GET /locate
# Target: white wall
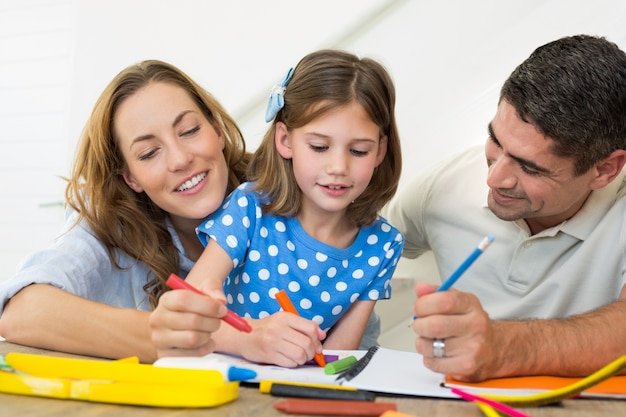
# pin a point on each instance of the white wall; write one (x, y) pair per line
(35, 63)
(448, 60)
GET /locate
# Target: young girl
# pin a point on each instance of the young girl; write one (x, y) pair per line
(307, 222)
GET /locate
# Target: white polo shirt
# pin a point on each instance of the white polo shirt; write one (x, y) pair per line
(576, 266)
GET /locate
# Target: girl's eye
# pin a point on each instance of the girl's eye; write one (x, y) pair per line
(317, 148)
(357, 152)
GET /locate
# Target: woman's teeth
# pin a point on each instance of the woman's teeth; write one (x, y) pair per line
(192, 182)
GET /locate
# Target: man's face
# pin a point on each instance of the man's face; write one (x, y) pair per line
(526, 180)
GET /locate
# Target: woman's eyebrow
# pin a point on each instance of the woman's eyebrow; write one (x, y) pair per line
(178, 118)
(148, 136)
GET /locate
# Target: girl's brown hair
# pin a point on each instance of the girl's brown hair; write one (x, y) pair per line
(323, 81)
(122, 219)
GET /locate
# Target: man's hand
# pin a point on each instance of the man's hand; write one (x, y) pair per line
(459, 320)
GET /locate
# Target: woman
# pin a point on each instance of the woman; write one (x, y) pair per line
(158, 154)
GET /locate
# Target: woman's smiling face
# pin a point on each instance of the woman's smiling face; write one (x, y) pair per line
(172, 152)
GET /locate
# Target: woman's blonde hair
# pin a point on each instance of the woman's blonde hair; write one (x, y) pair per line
(323, 81)
(121, 218)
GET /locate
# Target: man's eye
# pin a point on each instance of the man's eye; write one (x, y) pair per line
(529, 171)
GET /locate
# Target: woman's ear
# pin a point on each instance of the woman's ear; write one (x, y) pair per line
(130, 181)
(282, 141)
(220, 137)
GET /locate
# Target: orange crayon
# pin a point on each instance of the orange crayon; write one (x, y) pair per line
(287, 305)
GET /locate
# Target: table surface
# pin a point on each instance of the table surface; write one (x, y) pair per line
(252, 403)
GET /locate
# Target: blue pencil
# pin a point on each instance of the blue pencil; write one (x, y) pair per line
(482, 246)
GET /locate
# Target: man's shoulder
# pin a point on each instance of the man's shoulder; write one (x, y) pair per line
(461, 170)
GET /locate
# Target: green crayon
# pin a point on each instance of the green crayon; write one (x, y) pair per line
(340, 365)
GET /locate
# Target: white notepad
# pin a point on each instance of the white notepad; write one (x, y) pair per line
(387, 371)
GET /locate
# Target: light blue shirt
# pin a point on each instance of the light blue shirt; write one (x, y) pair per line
(79, 263)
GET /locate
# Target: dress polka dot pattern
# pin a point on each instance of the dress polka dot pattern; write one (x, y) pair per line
(271, 253)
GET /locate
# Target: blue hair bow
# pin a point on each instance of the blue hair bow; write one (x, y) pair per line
(277, 100)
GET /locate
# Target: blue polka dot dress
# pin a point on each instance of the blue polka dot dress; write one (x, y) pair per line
(271, 253)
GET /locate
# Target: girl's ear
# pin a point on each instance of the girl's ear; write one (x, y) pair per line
(130, 181)
(382, 150)
(282, 140)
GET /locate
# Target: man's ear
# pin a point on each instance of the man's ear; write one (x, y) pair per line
(130, 181)
(282, 141)
(608, 169)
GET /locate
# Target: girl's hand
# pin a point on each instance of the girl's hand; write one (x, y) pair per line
(283, 339)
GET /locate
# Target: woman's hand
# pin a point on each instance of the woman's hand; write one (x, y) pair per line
(183, 323)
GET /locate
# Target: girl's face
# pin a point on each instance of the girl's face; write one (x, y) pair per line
(172, 152)
(333, 157)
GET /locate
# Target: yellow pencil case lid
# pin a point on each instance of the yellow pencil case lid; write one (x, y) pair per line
(178, 393)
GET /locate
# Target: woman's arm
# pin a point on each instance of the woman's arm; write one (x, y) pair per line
(47, 317)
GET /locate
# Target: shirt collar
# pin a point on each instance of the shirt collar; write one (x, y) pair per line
(595, 208)
(185, 262)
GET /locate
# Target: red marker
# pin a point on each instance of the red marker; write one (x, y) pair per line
(177, 283)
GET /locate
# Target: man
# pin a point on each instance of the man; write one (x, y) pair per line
(549, 296)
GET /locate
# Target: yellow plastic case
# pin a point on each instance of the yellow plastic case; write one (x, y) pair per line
(120, 382)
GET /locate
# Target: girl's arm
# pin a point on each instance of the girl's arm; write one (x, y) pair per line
(349, 329)
(44, 316)
(210, 270)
